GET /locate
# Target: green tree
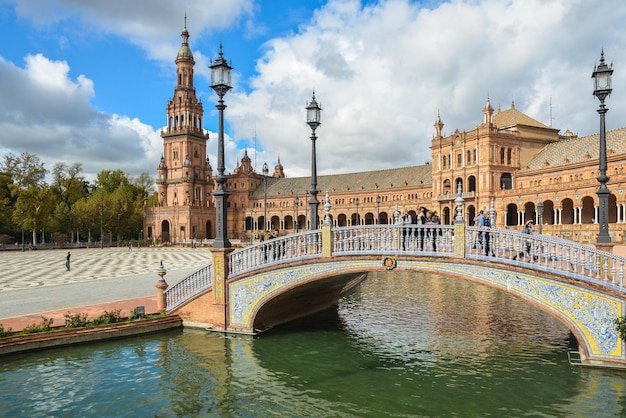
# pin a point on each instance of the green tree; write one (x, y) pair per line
(26, 170)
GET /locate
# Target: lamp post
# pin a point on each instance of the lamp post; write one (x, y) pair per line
(602, 88)
(356, 202)
(313, 119)
(101, 237)
(378, 209)
(540, 216)
(22, 213)
(265, 173)
(296, 203)
(220, 83)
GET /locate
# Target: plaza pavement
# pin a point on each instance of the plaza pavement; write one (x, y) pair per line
(36, 283)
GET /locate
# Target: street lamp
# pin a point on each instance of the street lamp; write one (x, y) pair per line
(356, 202)
(540, 216)
(313, 119)
(22, 213)
(101, 237)
(220, 83)
(378, 209)
(266, 171)
(296, 203)
(602, 88)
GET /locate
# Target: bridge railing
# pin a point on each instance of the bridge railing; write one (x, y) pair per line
(276, 251)
(545, 253)
(394, 239)
(188, 287)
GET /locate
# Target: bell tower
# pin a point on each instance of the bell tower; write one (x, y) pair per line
(184, 176)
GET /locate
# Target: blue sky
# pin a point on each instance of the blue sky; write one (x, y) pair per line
(88, 81)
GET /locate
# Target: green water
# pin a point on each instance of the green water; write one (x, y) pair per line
(401, 345)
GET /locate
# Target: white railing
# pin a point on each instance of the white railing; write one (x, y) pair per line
(549, 254)
(394, 239)
(276, 251)
(188, 287)
(537, 252)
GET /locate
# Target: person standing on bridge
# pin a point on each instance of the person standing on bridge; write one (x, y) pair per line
(487, 233)
(529, 230)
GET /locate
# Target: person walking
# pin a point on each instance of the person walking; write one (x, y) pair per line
(67, 261)
(433, 219)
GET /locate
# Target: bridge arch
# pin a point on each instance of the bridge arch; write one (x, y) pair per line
(266, 299)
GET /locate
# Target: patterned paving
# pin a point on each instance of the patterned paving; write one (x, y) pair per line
(31, 269)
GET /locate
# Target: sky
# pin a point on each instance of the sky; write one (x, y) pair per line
(87, 81)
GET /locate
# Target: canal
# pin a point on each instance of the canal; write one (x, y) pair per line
(402, 344)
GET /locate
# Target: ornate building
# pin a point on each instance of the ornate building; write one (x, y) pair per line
(510, 163)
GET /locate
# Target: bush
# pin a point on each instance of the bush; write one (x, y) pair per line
(78, 320)
(4, 333)
(620, 326)
(108, 318)
(43, 326)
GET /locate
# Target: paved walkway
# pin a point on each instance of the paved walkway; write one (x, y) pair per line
(36, 283)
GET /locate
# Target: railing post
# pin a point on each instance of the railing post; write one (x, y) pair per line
(161, 287)
(327, 241)
(219, 272)
(459, 239)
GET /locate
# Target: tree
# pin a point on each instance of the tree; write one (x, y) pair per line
(26, 170)
(111, 180)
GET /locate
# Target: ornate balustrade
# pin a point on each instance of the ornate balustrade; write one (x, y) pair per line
(275, 251)
(506, 247)
(549, 254)
(189, 286)
(394, 239)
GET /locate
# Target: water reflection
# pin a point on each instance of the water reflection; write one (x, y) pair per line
(400, 345)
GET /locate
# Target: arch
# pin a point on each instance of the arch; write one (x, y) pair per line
(445, 216)
(294, 284)
(471, 214)
(506, 181)
(456, 184)
(529, 212)
(275, 222)
(567, 212)
(612, 208)
(249, 223)
(511, 214)
(471, 184)
(384, 218)
(446, 186)
(209, 229)
(548, 212)
(369, 218)
(588, 213)
(288, 222)
(342, 220)
(165, 231)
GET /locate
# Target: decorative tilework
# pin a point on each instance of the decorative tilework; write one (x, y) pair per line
(592, 313)
(246, 295)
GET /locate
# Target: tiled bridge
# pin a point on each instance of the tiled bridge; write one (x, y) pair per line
(260, 286)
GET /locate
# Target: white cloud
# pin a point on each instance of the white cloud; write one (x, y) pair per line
(50, 115)
(382, 72)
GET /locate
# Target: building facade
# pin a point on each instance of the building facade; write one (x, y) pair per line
(509, 163)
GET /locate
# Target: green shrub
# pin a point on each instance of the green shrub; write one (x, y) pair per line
(4, 333)
(78, 320)
(620, 326)
(43, 326)
(108, 318)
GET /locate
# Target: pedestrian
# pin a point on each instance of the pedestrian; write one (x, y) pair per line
(421, 220)
(130, 246)
(67, 261)
(433, 219)
(479, 221)
(529, 230)
(486, 233)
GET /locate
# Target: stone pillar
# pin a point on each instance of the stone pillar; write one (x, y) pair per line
(219, 302)
(161, 286)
